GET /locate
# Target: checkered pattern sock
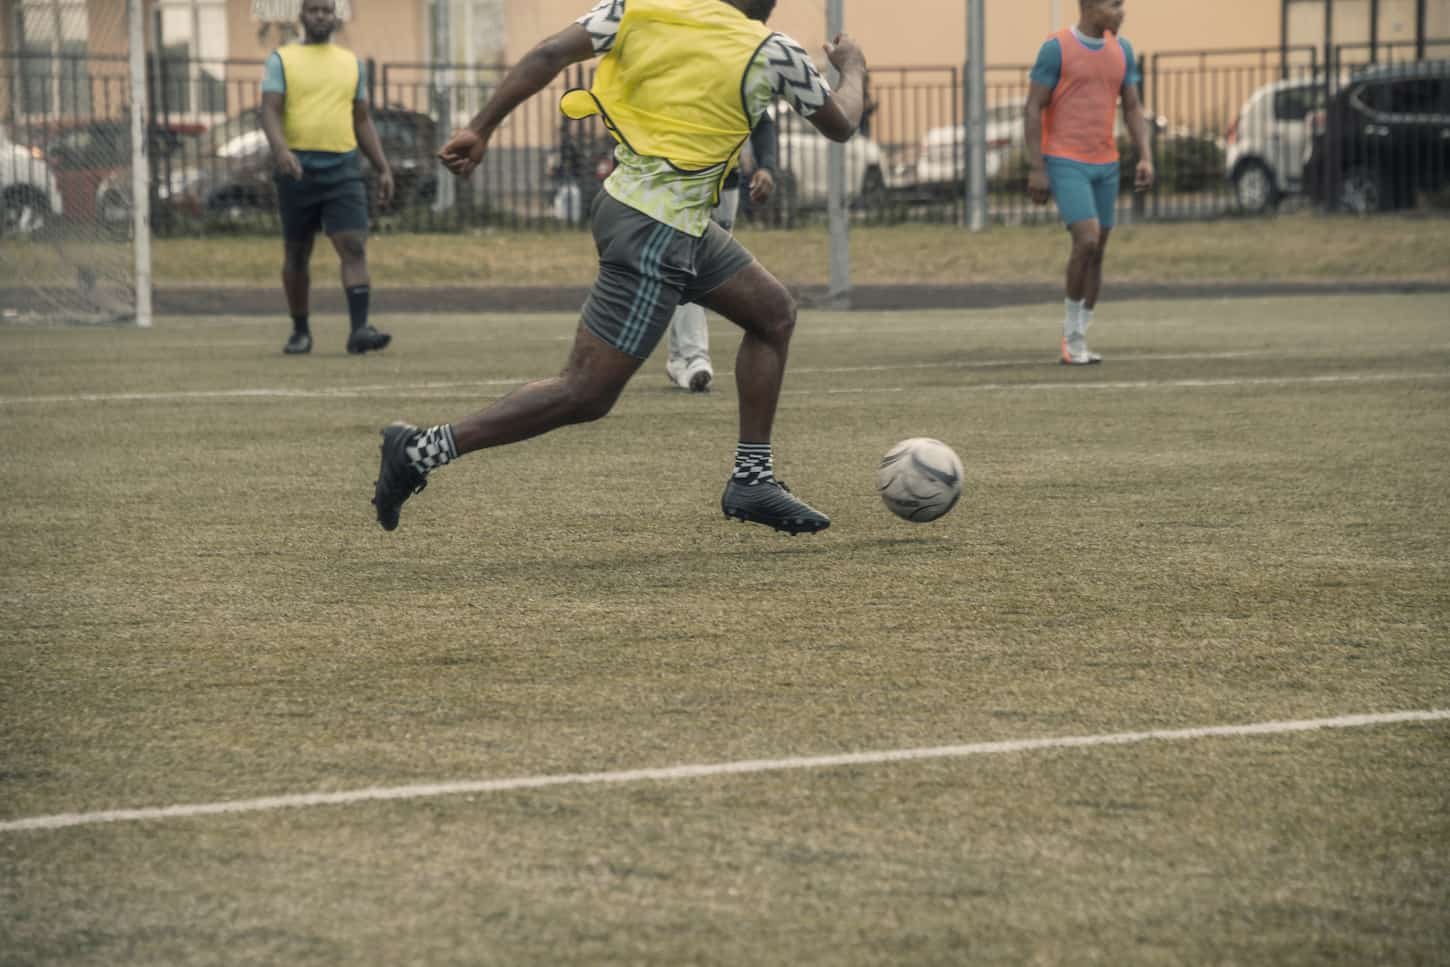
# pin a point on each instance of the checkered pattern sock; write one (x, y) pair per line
(753, 463)
(431, 448)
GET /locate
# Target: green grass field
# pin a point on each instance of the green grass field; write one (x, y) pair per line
(1240, 518)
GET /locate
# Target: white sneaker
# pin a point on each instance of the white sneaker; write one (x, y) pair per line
(694, 375)
(1075, 353)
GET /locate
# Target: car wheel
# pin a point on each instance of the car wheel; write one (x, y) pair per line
(1361, 192)
(873, 190)
(23, 211)
(1254, 188)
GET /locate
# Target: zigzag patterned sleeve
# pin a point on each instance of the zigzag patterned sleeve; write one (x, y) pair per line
(602, 22)
(793, 76)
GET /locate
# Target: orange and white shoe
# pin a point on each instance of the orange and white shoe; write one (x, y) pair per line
(1076, 353)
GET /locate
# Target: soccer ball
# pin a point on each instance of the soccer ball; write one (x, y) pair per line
(920, 479)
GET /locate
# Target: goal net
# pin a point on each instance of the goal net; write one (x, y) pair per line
(69, 163)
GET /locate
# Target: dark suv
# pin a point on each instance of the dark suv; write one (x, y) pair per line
(1383, 138)
(227, 175)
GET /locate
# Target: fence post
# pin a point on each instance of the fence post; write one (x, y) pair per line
(1140, 201)
(1153, 137)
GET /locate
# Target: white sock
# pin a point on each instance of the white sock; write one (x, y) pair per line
(1071, 325)
(1084, 319)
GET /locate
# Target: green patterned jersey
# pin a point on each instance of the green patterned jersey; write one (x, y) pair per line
(681, 199)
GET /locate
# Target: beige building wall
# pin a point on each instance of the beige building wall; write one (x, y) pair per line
(898, 33)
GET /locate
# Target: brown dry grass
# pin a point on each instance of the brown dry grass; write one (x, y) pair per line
(1240, 517)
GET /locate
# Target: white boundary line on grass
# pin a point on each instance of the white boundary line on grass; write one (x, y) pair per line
(416, 389)
(745, 767)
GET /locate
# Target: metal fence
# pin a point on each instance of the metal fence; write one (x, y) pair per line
(1232, 132)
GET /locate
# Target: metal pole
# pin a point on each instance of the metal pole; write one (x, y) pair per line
(977, 115)
(443, 90)
(840, 289)
(1374, 31)
(1419, 29)
(1284, 40)
(140, 169)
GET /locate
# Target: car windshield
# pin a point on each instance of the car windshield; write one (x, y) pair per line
(230, 139)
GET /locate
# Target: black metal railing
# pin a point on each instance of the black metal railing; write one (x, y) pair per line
(1231, 131)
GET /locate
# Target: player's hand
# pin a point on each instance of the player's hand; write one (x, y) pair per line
(288, 166)
(385, 189)
(844, 52)
(1038, 188)
(1144, 177)
(463, 152)
(762, 185)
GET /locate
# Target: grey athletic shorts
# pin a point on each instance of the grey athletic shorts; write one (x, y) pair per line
(646, 269)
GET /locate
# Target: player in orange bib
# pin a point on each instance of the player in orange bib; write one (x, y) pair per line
(1076, 83)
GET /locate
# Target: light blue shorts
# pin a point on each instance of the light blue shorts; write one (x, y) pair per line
(1084, 191)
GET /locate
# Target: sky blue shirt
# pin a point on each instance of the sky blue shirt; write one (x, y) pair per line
(1048, 68)
(274, 81)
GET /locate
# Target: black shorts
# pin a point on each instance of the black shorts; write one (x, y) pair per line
(334, 199)
(646, 269)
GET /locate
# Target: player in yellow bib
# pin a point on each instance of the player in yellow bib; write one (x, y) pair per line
(315, 116)
(681, 85)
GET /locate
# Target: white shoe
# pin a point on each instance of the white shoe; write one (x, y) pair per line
(1075, 353)
(694, 375)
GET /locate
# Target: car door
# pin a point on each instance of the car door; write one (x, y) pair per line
(1411, 114)
(1288, 135)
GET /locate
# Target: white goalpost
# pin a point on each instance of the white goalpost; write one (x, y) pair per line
(140, 163)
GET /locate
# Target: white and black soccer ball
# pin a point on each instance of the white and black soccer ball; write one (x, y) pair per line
(920, 479)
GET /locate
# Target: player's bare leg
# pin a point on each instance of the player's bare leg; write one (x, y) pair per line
(1084, 268)
(757, 302)
(352, 252)
(297, 285)
(587, 389)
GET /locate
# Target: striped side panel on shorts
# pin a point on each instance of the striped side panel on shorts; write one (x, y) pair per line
(650, 262)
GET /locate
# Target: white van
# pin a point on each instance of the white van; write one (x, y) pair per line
(1269, 141)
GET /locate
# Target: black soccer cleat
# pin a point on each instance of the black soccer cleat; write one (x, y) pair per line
(772, 504)
(366, 339)
(397, 480)
(299, 343)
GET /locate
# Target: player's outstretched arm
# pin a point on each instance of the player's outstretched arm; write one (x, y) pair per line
(529, 76)
(840, 116)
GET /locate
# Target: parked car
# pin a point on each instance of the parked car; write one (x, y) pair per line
(29, 194)
(941, 159)
(227, 175)
(940, 168)
(802, 177)
(1383, 138)
(82, 154)
(1267, 142)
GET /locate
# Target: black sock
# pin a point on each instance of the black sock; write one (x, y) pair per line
(357, 305)
(299, 324)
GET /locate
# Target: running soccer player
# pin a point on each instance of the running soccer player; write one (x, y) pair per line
(315, 117)
(1076, 82)
(681, 86)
